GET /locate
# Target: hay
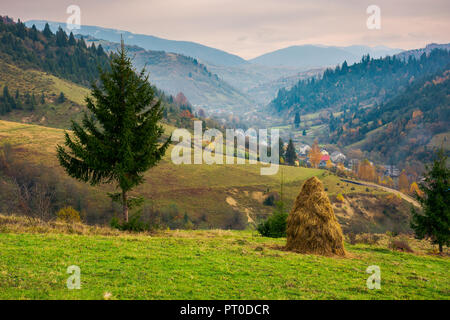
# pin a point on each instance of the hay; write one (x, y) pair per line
(312, 226)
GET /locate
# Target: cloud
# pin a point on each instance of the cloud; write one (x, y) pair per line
(252, 27)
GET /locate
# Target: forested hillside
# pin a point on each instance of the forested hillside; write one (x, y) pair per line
(45, 77)
(58, 54)
(361, 84)
(402, 128)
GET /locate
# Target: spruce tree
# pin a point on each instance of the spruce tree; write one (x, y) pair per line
(434, 223)
(47, 32)
(291, 155)
(119, 141)
(297, 120)
(72, 40)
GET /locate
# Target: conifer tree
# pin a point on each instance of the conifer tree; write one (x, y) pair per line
(119, 141)
(297, 120)
(72, 40)
(291, 155)
(47, 32)
(434, 223)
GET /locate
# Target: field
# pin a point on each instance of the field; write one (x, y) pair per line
(212, 264)
(213, 190)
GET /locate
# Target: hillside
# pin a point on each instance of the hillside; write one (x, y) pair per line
(45, 77)
(176, 73)
(219, 196)
(361, 84)
(403, 128)
(416, 53)
(148, 42)
(55, 53)
(214, 264)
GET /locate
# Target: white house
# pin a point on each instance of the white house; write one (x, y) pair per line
(338, 157)
(304, 149)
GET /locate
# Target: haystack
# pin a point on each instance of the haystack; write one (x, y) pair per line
(312, 226)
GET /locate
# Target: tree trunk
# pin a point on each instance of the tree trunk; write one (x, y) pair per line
(440, 248)
(125, 205)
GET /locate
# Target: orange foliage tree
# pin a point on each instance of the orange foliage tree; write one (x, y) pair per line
(403, 183)
(314, 154)
(366, 171)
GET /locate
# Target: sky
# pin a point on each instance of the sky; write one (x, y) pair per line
(250, 28)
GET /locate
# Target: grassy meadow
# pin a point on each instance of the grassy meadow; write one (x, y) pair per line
(213, 264)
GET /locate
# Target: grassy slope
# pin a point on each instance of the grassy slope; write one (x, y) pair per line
(196, 189)
(37, 82)
(34, 81)
(207, 265)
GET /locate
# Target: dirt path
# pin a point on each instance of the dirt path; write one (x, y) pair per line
(370, 184)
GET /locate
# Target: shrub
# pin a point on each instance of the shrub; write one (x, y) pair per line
(368, 238)
(269, 200)
(401, 245)
(68, 214)
(351, 238)
(364, 238)
(274, 226)
(340, 197)
(134, 224)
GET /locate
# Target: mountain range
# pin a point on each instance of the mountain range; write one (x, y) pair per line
(312, 56)
(233, 80)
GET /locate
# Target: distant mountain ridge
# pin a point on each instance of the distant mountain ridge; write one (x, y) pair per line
(416, 53)
(313, 56)
(191, 49)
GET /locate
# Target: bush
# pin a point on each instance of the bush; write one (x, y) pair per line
(364, 238)
(134, 224)
(340, 197)
(368, 238)
(351, 238)
(400, 245)
(68, 214)
(269, 200)
(275, 226)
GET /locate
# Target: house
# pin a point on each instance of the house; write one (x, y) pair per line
(323, 161)
(353, 164)
(391, 171)
(337, 157)
(303, 150)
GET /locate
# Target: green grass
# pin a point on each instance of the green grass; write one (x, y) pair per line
(207, 265)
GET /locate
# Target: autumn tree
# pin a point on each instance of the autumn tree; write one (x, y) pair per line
(403, 183)
(415, 190)
(366, 171)
(119, 140)
(315, 155)
(329, 164)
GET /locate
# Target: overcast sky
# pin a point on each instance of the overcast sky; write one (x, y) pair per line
(249, 28)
